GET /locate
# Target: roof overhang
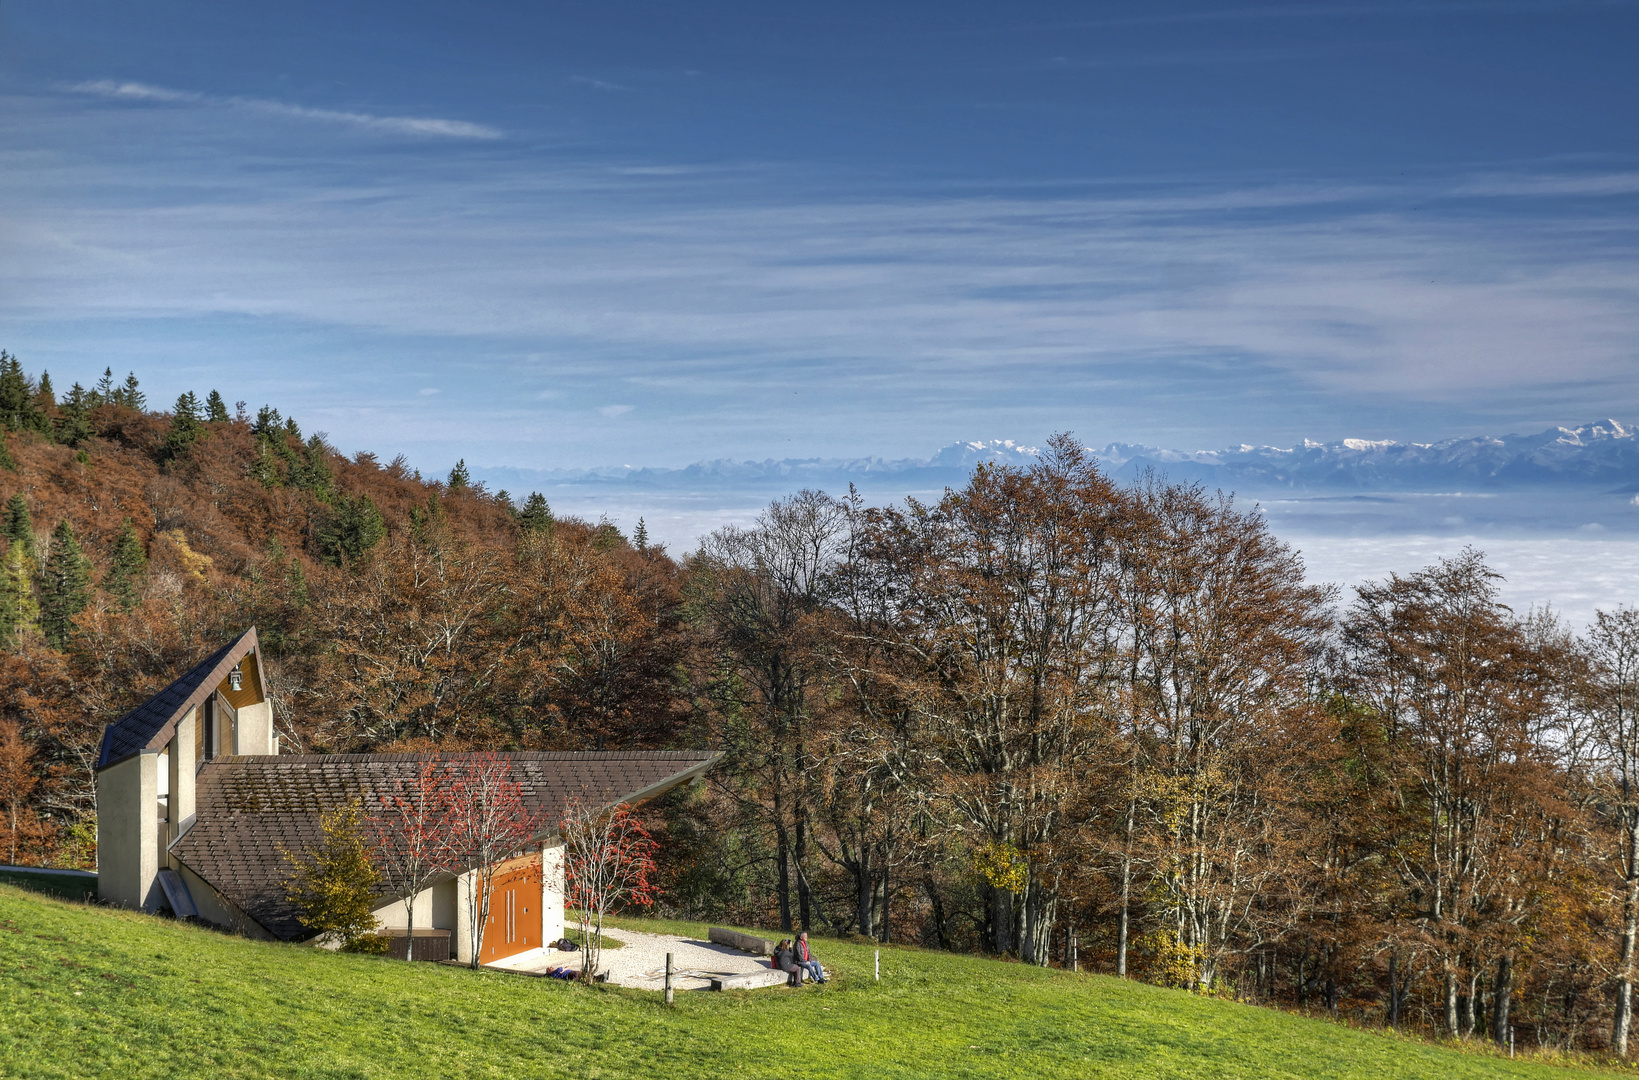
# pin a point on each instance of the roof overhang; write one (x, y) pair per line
(207, 682)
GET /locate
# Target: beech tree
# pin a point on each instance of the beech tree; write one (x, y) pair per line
(1612, 697)
(1005, 606)
(1465, 693)
(760, 603)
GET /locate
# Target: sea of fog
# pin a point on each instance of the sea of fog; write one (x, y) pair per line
(1574, 551)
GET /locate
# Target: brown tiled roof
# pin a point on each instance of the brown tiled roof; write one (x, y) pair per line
(150, 725)
(249, 808)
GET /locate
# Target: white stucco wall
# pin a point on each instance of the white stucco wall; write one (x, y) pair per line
(183, 769)
(253, 729)
(552, 890)
(128, 839)
(217, 909)
(434, 909)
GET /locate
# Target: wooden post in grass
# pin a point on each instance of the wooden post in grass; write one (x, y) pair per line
(879, 965)
(1075, 954)
(668, 978)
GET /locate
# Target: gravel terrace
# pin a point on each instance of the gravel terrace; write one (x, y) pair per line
(641, 962)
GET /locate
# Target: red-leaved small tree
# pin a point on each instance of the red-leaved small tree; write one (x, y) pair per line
(488, 821)
(411, 833)
(608, 861)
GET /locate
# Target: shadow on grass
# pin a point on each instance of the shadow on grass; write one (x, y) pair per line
(62, 886)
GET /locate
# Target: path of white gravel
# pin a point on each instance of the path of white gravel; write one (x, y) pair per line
(641, 961)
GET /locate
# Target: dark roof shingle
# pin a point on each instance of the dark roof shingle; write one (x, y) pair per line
(150, 724)
(251, 810)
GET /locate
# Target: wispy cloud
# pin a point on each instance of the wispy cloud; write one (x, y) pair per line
(416, 126)
(597, 84)
(612, 411)
(737, 308)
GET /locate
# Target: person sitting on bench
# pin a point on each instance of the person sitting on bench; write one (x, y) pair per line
(785, 960)
(806, 961)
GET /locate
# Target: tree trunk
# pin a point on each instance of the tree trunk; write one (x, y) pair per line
(1452, 1027)
(1502, 994)
(1123, 922)
(1040, 909)
(800, 856)
(1001, 920)
(887, 927)
(937, 902)
(784, 887)
(1394, 988)
(1623, 1019)
(865, 894)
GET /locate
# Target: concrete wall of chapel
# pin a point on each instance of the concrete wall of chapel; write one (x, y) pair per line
(435, 909)
(216, 909)
(128, 833)
(553, 890)
(253, 729)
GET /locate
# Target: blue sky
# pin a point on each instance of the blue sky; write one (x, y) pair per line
(559, 235)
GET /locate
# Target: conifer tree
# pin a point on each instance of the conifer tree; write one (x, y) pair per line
(16, 395)
(267, 422)
(19, 613)
(129, 394)
(640, 536)
(503, 499)
(126, 567)
(45, 397)
(460, 479)
(186, 428)
(353, 529)
(536, 516)
(74, 426)
(6, 461)
(65, 586)
(216, 410)
(19, 526)
(103, 393)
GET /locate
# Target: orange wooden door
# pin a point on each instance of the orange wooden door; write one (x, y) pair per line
(514, 923)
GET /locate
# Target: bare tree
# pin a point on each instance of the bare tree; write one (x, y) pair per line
(411, 830)
(608, 862)
(488, 824)
(759, 597)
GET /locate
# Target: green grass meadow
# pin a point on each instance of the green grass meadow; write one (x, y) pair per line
(91, 992)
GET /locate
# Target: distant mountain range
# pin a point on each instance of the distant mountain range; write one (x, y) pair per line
(1600, 456)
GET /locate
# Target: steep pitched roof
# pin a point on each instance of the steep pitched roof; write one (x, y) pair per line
(250, 810)
(150, 725)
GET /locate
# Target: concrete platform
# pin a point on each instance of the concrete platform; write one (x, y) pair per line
(641, 962)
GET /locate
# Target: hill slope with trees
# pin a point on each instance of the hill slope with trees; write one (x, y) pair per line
(1046, 716)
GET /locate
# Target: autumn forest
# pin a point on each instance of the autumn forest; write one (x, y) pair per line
(1046, 716)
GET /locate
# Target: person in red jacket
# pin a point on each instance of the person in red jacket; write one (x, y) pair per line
(805, 959)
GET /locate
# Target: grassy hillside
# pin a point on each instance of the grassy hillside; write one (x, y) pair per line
(87, 992)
